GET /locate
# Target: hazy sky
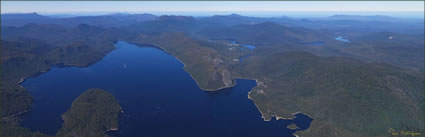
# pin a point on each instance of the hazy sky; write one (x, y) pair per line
(49, 7)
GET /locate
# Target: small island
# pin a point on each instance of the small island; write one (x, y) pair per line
(292, 126)
(92, 114)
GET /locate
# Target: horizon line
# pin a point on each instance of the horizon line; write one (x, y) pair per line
(259, 13)
(42, 12)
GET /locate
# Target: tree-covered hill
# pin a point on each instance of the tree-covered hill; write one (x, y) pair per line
(92, 114)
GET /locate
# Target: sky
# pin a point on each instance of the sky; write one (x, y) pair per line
(199, 8)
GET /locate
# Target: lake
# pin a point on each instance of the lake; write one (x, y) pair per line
(245, 47)
(250, 47)
(340, 38)
(157, 96)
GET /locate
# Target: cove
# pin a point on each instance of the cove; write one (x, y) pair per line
(158, 98)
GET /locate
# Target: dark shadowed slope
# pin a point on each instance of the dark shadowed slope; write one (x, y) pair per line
(92, 114)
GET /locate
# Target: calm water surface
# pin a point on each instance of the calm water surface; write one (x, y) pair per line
(340, 38)
(250, 47)
(158, 98)
(245, 47)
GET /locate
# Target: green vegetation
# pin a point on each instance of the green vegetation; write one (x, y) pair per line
(92, 114)
(369, 98)
(18, 61)
(265, 34)
(401, 50)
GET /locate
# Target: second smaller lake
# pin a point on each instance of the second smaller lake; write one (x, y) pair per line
(340, 38)
(245, 47)
(250, 47)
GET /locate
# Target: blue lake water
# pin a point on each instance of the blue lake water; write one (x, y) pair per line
(158, 98)
(250, 47)
(340, 38)
(245, 47)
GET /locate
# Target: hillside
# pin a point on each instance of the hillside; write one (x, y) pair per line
(264, 34)
(369, 98)
(92, 114)
(398, 49)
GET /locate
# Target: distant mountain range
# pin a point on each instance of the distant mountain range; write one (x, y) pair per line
(356, 22)
(101, 21)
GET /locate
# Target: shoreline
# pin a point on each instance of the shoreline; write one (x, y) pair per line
(112, 129)
(262, 114)
(16, 114)
(275, 115)
(184, 65)
(56, 64)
